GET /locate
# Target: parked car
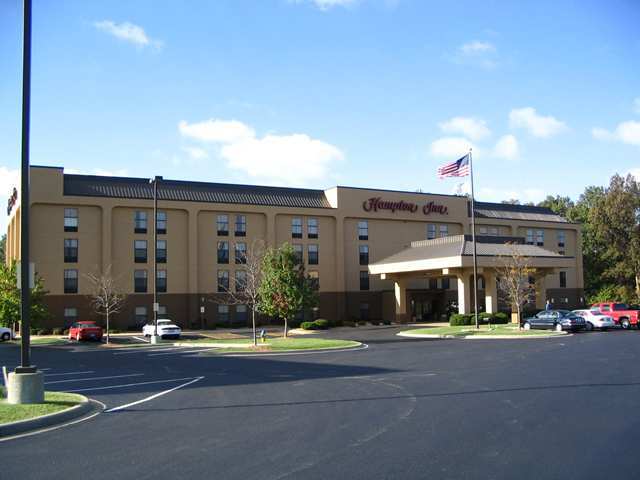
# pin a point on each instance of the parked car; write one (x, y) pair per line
(85, 331)
(596, 319)
(557, 320)
(621, 313)
(5, 334)
(166, 329)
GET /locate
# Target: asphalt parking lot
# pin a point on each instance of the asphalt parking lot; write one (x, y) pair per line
(402, 408)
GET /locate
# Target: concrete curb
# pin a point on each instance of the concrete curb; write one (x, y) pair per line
(478, 337)
(52, 419)
(359, 346)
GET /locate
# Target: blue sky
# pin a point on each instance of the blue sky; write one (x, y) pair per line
(316, 93)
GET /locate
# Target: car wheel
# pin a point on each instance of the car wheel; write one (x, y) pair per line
(77, 337)
(558, 327)
(624, 322)
(527, 326)
(6, 336)
(589, 326)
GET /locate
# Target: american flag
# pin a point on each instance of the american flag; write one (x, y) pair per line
(459, 168)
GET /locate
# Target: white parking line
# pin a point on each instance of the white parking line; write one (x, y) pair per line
(145, 350)
(125, 385)
(122, 407)
(142, 339)
(95, 378)
(70, 373)
(185, 351)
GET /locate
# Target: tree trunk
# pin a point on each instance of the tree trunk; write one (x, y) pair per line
(253, 325)
(286, 327)
(637, 286)
(519, 319)
(107, 327)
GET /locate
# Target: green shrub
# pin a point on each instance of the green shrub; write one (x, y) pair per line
(308, 326)
(57, 331)
(500, 318)
(348, 323)
(386, 322)
(458, 319)
(322, 324)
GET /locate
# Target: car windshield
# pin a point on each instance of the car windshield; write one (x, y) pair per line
(565, 313)
(620, 306)
(87, 325)
(165, 322)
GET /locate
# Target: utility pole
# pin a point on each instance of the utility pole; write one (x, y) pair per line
(154, 181)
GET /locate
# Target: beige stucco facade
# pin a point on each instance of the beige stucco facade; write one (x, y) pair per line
(106, 236)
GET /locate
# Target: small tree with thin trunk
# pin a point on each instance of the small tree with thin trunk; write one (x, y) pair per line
(246, 290)
(105, 297)
(285, 290)
(513, 280)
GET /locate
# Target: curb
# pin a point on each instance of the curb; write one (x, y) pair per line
(52, 419)
(477, 337)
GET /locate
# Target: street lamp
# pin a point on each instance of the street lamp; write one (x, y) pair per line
(154, 181)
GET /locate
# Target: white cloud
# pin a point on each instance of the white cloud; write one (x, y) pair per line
(9, 179)
(636, 105)
(327, 4)
(452, 147)
(291, 159)
(626, 132)
(507, 147)
(475, 47)
(196, 153)
(128, 32)
(474, 128)
(476, 53)
(537, 125)
(220, 131)
(123, 172)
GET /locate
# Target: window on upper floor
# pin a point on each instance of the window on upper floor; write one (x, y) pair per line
(241, 226)
(161, 281)
(540, 238)
(493, 231)
(70, 219)
(140, 221)
(140, 281)
(363, 251)
(314, 278)
(563, 279)
(241, 253)
(296, 227)
(444, 230)
(161, 222)
(312, 252)
(70, 250)
(364, 280)
(562, 239)
(298, 252)
(446, 283)
(483, 231)
(161, 251)
(241, 280)
(363, 230)
(312, 228)
(223, 252)
(71, 281)
(140, 251)
(530, 238)
(223, 281)
(222, 225)
(433, 284)
(431, 231)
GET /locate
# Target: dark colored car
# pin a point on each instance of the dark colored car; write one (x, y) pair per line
(85, 331)
(557, 320)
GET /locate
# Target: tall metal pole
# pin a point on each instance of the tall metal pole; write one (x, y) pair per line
(25, 292)
(473, 240)
(155, 256)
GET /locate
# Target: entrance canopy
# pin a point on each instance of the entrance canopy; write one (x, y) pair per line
(453, 256)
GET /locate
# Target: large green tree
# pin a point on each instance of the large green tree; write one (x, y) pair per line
(285, 289)
(10, 298)
(560, 205)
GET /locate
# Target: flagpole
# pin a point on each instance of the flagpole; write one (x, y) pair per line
(473, 240)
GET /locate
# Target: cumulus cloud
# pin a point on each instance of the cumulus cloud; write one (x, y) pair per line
(476, 53)
(537, 125)
(196, 153)
(626, 132)
(476, 47)
(293, 159)
(452, 147)
(128, 32)
(327, 4)
(473, 128)
(506, 147)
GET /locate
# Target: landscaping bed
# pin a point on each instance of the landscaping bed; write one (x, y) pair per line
(464, 331)
(271, 344)
(54, 402)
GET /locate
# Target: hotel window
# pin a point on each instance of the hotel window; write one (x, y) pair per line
(444, 230)
(364, 254)
(241, 226)
(314, 279)
(433, 284)
(480, 283)
(312, 251)
(70, 315)
(312, 228)
(483, 231)
(431, 231)
(141, 315)
(223, 252)
(223, 281)
(363, 230)
(364, 280)
(70, 219)
(242, 313)
(241, 253)
(562, 239)
(563, 279)
(529, 239)
(364, 312)
(162, 311)
(140, 251)
(140, 281)
(241, 280)
(446, 283)
(296, 228)
(70, 250)
(71, 281)
(161, 223)
(297, 251)
(223, 225)
(161, 281)
(161, 251)
(223, 314)
(540, 238)
(140, 221)
(493, 231)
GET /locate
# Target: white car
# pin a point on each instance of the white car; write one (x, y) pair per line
(5, 334)
(166, 329)
(596, 319)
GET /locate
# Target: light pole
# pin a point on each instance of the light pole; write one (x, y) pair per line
(26, 383)
(154, 181)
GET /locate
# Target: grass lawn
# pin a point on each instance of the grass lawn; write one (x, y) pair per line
(54, 402)
(48, 340)
(469, 330)
(274, 344)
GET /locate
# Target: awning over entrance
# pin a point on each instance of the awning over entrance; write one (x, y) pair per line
(453, 256)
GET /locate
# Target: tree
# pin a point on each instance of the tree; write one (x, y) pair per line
(247, 289)
(559, 205)
(10, 298)
(513, 280)
(3, 248)
(106, 299)
(284, 290)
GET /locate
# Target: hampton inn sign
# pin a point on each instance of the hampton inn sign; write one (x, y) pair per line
(377, 203)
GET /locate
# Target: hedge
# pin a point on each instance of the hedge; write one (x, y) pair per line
(319, 324)
(483, 318)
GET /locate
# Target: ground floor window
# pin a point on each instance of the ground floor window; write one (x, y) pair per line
(141, 315)
(364, 280)
(162, 310)
(563, 279)
(364, 311)
(70, 315)
(446, 283)
(223, 313)
(241, 313)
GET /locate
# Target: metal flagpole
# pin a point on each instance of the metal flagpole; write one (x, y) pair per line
(473, 240)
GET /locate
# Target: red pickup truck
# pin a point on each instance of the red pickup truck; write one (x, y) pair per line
(620, 312)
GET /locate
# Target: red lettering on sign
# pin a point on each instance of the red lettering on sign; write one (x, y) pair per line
(377, 203)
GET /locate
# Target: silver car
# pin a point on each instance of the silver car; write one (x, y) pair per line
(596, 319)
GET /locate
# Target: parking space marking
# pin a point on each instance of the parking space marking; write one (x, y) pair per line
(69, 373)
(126, 385)
(94, 378)
(146, 350)
(159, 394)
(185, 351)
